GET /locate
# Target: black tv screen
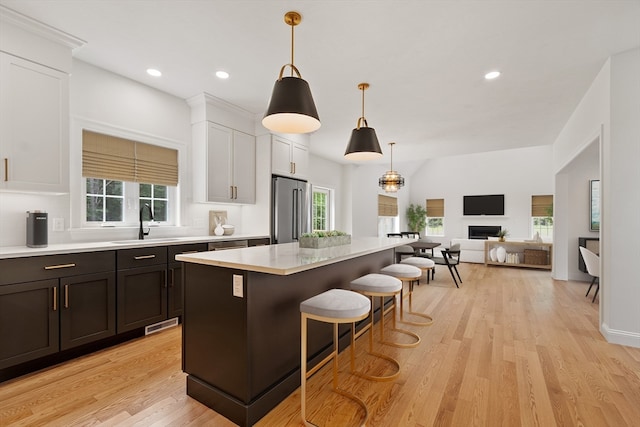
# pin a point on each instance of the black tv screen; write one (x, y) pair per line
(492, 204)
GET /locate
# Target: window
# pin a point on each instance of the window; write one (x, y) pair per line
(104, 200)
(156, 196)
(435, 217)
(122, 175)
(542, 215)
(388, 221)
(322, 209)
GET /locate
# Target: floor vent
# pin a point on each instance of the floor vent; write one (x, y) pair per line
(160, 326)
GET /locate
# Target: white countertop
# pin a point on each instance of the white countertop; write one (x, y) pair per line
(65, 248)
(289, 258)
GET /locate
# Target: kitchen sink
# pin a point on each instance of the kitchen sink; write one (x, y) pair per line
(157, 240)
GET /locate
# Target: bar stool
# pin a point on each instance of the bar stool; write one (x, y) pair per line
(380, 285)
(424, 264)
(407, 273)
(334, 306)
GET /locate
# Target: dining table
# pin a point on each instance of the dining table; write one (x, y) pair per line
(424, 245)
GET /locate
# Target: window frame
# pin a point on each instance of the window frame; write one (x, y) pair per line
(329, 208)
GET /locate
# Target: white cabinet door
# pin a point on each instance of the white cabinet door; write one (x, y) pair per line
(300, 160)
(281, 157)
(219, 157)
(289, 158)
(244, 167)
(34, 129)
(224, 163)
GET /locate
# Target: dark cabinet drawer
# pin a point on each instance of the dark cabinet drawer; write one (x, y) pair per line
(19, 270)
(260, 242)
(185, 249)
(141, 257)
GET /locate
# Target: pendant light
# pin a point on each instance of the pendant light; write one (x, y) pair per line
(291, 109)
(391, 181)
(363, 144)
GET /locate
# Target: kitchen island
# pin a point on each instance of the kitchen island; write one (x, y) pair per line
(241, 331)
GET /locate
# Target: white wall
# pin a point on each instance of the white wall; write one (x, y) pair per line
(608, 113)
(620, 302)
(518, 174)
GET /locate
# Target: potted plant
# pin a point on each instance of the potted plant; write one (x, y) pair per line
(416, 217)
(502, 234)
(324, 239)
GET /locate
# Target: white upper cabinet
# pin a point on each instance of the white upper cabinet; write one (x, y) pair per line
(224, 164)
(34, 127)
(289, 158)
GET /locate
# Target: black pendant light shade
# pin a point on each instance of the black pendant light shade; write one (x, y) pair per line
(291, 109)
(363, 144)
(391, 181)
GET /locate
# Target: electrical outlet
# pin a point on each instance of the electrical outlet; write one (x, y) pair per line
(237, 286)
(58, 224)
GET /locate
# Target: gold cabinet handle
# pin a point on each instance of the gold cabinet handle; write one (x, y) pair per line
(6, 169)
(55, 267)
(66, 296)
(294, 168)
(139, 257)
(55, 298)
(173, 277)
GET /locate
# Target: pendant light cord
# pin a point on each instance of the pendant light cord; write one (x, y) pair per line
(292, 66)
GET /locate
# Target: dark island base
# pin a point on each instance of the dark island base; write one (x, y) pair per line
(242, 355)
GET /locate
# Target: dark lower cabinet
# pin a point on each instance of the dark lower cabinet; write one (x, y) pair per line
(29, 322)
(142, 297)
(87, 309)
(174, 292)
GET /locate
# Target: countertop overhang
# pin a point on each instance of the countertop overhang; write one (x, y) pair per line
(288, 258)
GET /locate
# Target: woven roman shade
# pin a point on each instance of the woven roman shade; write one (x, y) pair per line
(542, 205)
(387, 206)
(435, 208)
(110, 157)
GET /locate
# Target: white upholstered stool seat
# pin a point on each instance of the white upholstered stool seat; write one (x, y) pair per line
(407, 273)
(424, 264)
(381, 285)
(334, 306)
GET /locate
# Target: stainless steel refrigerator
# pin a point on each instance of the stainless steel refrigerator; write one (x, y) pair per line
(291, 209)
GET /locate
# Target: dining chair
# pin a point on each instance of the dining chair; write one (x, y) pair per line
(592, 262)
(451, 258)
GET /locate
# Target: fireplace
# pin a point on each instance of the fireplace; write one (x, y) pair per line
(483, 231)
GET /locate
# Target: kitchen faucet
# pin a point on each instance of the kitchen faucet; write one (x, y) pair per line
(141, 234)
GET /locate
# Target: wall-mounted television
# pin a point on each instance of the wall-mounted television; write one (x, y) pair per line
(492, 204)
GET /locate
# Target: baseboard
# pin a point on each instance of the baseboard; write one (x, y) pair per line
(615, 336)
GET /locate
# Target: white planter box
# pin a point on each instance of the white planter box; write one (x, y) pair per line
(324, 242)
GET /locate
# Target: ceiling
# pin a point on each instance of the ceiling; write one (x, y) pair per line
(425, 61)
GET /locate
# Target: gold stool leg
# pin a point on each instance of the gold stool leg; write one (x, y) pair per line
(410, 311)
(369, 327)
(304, 374)
(394, 328)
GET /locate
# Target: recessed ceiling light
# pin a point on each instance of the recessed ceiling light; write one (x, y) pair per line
(492, 75)
(222, 74)
(153, 72)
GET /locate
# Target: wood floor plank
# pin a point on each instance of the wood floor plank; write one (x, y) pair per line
(511, 347)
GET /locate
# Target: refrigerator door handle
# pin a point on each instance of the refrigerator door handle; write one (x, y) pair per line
(294, 220)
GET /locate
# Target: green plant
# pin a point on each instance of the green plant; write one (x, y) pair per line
(321, 233)
(416, 217)
(503, 232)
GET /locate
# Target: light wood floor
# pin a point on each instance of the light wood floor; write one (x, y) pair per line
(511, 347)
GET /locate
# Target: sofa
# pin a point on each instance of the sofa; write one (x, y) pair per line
(471, 250)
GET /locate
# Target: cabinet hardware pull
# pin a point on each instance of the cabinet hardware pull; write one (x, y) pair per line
(231, 191)
(294, 168)
(290, 167)
(55, 298)
(144, 257)
(235, 194)
(173, 277)
(66, 296)
(6, 169)
(54, 267)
